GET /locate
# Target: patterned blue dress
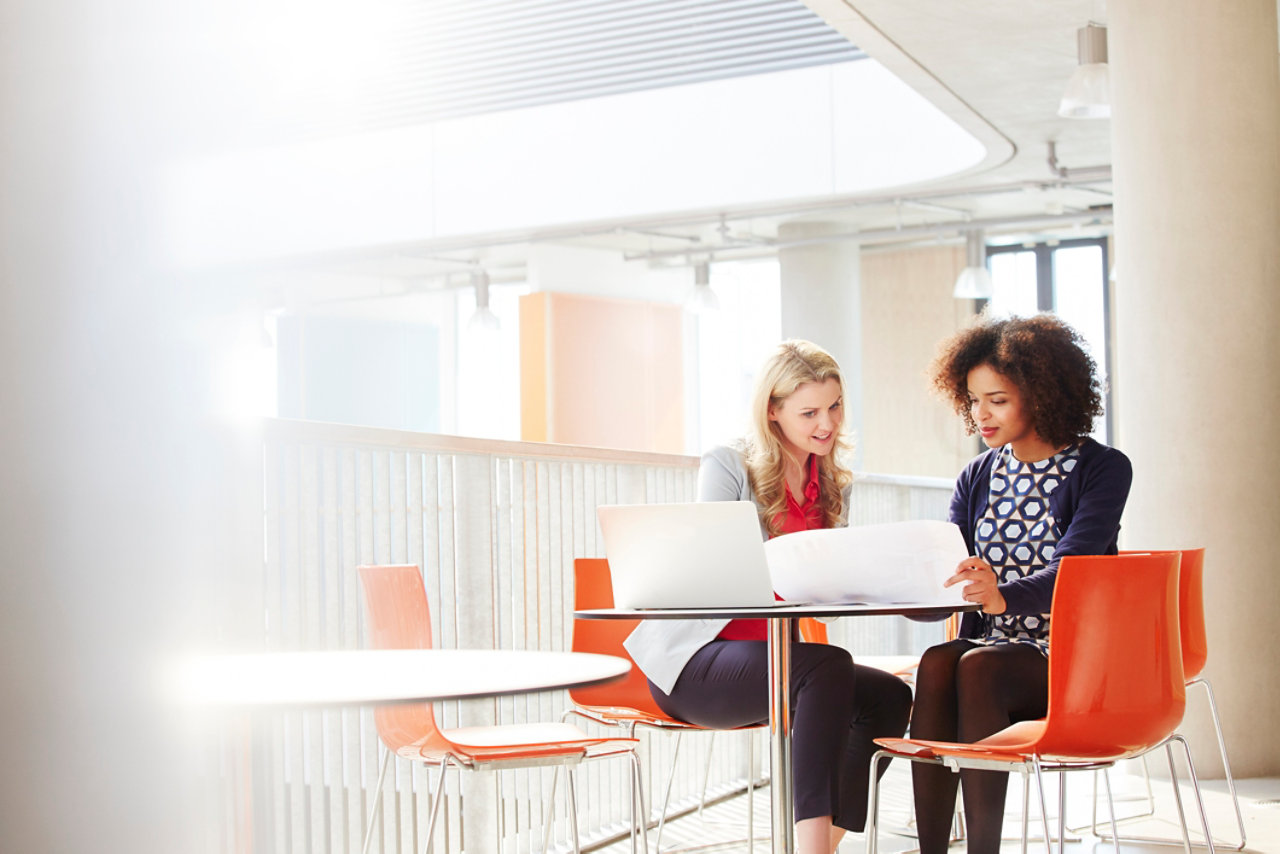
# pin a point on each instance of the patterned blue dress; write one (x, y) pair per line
(1018, 535)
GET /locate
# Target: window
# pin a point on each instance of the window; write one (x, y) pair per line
(1068, 278)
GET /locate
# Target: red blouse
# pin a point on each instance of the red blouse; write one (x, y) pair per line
(797, 517)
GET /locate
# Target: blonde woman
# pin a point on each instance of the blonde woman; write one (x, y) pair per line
(714, 673)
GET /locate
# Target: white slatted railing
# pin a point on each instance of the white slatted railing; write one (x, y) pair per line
(495, 527)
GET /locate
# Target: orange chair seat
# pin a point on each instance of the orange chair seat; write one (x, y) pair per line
(1012, 744)
(626, 713)
(528, 741)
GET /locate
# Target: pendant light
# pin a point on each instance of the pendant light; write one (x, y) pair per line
(974, 281)
(1088, 93)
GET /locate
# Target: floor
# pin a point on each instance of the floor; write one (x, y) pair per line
(1259, 802)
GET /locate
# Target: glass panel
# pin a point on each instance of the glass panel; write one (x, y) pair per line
(1077, 294)
(488, 366)
(1079, 300)
(732, 343)
(1013, 276)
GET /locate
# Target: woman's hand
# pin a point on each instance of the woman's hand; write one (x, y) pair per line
(980, 585)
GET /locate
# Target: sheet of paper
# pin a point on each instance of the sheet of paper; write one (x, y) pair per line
(893, 562)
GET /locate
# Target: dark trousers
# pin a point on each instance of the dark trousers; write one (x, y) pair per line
(837, 709)
(966, 691)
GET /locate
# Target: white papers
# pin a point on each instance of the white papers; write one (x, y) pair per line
(894, 562)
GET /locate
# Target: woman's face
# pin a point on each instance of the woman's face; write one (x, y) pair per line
(996, 405)
(810, 418)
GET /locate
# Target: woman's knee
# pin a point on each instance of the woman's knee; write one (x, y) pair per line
(825, 670)
(887, 698)
(937, 667)
(985, 670)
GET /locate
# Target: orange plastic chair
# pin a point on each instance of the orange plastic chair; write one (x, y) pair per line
(1116, 686)
(626, 702)
(399, 618)
(1195, 653)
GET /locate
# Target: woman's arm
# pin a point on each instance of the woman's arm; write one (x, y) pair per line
(722, 476)
(1091, 530)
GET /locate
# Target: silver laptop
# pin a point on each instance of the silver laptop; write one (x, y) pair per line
(699, 555)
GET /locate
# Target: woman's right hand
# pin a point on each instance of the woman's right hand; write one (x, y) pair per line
(981, 585)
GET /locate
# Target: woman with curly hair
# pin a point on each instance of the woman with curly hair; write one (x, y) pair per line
(1042, 491)
(714, 673)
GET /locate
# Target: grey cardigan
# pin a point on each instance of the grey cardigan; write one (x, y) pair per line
(661, 648)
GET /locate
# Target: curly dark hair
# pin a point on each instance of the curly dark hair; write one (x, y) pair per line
(1044, 358)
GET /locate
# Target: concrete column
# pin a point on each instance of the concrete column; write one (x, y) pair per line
(822, 302)
(1196, 105)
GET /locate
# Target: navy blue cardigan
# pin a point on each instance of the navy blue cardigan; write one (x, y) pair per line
(1086, 509)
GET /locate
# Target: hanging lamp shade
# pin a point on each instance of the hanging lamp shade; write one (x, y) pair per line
(483, 321)
(974, 281)
(1088, 92)
(702, 300)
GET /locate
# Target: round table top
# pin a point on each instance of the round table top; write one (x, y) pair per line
(827, 609)
(348, 677)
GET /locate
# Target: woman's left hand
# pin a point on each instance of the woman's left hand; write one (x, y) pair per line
(980, 585)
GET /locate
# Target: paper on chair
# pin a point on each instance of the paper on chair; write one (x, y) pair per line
(894, 562)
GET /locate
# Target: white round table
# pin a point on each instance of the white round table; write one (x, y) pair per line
(350, 677)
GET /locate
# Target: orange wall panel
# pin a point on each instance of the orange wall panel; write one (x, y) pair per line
(602, 372)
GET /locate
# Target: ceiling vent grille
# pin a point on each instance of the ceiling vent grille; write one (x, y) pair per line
(436, 59)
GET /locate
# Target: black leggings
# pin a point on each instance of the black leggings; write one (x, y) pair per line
(725, 685)
(966, 691)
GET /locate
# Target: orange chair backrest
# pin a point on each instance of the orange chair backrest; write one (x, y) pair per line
(1115, 662)
(1195, 643)
(593, 588)
(399, 618)
(812, 630)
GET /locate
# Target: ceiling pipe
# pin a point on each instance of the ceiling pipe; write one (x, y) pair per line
(1102, 173)
(884, 235)
(1077, 177)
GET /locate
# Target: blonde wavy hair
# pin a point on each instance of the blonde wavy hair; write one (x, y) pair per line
(792, 364)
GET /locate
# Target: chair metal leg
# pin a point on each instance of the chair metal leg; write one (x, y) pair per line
(1111, 805)
(571, 785)
(957, 824)
(1062, 812)
(551, 808)
(751, 792)
(1185, 841)
(873, 801)
(436, 798)
(377, 799)
(639, 815)
(1044, 807)
(706, 772)
(1146, 780)
(1026, 807)
(1195, 789)
(1177, 797)
(1226, 762)
(1151, 800)
(666, 799)
(1231, 786)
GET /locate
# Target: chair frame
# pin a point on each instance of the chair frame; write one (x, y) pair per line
(1023, 746)
(631, 715)
(400, 617)
(1195, 653)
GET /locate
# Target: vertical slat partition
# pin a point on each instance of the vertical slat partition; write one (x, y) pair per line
(494, 527)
